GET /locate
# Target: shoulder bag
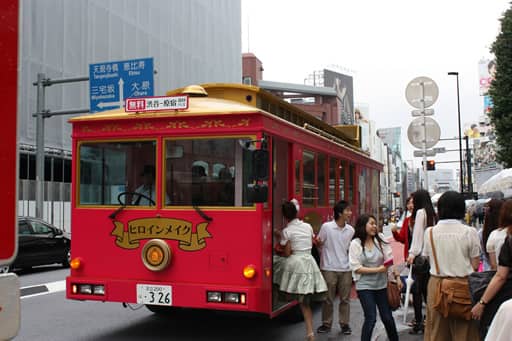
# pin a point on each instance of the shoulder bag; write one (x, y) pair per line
(452, 296)
(393, 292)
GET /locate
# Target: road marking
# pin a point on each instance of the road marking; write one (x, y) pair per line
(42, 289)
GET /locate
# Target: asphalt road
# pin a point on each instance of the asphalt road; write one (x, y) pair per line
(48, 315)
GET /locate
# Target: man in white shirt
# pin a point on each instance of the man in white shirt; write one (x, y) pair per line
(147, 189)
(334, 241)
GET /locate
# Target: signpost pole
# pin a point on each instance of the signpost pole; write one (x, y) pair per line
(424, 142)
(40, 145)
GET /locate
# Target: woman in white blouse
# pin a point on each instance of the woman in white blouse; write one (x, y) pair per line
(300, 277)
(488, 233)
(498, 236)
(423, 215)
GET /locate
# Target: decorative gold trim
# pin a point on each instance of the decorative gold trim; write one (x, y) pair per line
(161, 228)
(167, 255)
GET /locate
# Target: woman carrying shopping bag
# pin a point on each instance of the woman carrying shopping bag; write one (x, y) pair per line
(370, 256)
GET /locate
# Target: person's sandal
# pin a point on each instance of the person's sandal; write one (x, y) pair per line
(310, 337)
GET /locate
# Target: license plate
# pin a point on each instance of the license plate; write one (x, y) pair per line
(154, 294)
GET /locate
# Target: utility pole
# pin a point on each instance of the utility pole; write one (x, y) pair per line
(468, 165)
(40, 115)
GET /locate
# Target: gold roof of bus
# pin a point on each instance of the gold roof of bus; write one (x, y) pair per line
(197, 106)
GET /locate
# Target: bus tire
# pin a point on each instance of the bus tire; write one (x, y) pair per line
(160, 309)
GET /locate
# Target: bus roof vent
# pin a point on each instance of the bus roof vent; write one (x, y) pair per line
(195, 91)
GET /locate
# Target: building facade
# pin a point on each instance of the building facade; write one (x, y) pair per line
(190, 41)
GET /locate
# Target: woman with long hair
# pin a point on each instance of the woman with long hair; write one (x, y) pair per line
(500, 288)
(300, 277)
(370, 256)
(423, 215)
(493, 233)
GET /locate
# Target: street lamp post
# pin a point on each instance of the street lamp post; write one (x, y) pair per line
(461, 172)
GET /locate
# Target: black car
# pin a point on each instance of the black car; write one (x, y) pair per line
(39, 243)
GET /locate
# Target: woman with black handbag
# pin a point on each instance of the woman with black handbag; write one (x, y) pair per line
(423, 215)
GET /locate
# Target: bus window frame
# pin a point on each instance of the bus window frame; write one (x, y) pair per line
(77, 175)
(165, 206)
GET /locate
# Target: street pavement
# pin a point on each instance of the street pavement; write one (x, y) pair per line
(356, 323)
(357, 316)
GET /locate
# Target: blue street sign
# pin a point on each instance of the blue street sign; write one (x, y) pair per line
(110, 83)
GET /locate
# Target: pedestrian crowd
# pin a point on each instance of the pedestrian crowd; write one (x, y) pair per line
(461, 285)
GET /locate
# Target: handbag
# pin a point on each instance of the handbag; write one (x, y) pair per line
(452, 296)
(394, 295)
(478, 282)
(421, 265)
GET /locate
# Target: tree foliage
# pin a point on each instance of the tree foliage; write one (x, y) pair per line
(501, 90)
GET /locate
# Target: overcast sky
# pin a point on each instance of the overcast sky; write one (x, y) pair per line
(383, 45)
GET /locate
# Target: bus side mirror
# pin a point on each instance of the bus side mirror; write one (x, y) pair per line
(260, 164)
(257, 193)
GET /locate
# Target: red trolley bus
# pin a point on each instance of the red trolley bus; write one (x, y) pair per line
(178, 207)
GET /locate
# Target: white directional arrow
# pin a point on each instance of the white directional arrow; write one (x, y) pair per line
(119, 103)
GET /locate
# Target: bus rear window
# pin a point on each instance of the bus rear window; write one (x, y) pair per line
(108, 169)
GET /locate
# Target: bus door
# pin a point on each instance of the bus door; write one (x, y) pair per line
(280, 194)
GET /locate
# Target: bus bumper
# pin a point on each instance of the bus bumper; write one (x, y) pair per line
(183, 295)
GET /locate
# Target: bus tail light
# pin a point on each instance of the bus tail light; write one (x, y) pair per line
(75, 263)
(249, 271)
(214, 296)
(156, 255)
(232, 297)
(85, 289)
(88, 289)
(226, 297)
(98, 290)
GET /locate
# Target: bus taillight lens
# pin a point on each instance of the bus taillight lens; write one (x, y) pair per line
(75, 263)
(156, 255)
(249, 271)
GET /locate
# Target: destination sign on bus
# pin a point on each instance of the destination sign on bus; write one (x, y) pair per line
(156, 103)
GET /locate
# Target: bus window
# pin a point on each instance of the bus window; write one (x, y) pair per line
(321, 179)
(108, 169)
(309, 186)
(341, 172)
(332, 182)
(362, 191)
(351, 174)
(211, 172)
(297, 177)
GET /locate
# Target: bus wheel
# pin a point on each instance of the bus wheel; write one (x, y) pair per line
(160, 309)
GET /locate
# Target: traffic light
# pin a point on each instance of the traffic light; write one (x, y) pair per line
(431, 165)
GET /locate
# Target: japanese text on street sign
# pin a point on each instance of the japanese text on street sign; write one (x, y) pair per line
(156, 103)
(111, 82)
